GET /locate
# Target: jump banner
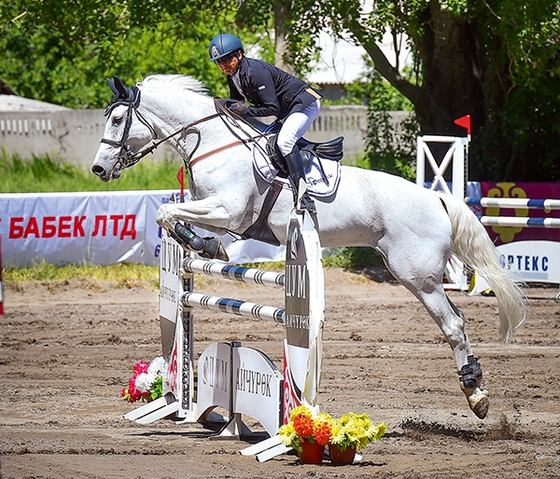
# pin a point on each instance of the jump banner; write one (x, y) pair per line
(97, 228)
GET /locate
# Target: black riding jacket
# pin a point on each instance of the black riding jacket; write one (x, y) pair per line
(272, 91)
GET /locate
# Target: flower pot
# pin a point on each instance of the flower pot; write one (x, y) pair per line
(311, 452)
(340, 457)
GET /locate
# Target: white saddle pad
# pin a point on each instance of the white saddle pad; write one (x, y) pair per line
(321, 182)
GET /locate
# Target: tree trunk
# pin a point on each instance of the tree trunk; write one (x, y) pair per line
(452, 77)
(452, 74)
(281, 15)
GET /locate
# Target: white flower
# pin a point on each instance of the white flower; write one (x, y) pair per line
(157, 367)
(144, 382)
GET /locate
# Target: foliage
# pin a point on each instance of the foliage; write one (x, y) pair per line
(352, 257)
(61, 52)
(499, 63)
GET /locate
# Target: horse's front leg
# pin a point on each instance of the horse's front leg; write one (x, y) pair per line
(208, 211)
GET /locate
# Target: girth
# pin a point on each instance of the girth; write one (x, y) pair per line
(260, 230)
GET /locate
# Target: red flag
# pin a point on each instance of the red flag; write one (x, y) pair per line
(465, 122)
(181, 179)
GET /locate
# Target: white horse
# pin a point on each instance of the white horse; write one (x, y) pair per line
(415, 229)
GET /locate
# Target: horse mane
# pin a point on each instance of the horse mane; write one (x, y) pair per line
(178, 82)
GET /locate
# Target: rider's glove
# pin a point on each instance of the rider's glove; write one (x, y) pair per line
(238, 108)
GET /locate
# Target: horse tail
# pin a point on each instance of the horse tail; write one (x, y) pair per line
(472, 245)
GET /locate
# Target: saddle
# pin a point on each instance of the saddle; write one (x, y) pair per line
(329, 150)
(312, 154)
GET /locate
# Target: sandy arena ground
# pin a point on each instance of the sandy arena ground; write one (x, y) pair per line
(67, 351)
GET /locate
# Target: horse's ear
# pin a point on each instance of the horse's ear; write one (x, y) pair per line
(120, 88)
(123, 93)
(112, 86)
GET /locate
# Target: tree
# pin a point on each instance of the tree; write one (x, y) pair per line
(61, 51)
(497, 61)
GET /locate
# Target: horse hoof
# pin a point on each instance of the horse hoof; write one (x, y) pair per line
(478, 401)
(213, 249)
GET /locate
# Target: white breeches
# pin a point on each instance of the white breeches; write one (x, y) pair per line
(295, 126)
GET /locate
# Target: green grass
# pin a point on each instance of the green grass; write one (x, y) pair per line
(46, 174)
(121, 275)
(127, 275)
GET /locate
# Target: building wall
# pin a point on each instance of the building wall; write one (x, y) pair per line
(74, 135)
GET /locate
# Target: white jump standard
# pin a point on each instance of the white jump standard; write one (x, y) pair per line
(238, 379)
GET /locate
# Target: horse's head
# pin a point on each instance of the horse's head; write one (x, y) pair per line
(126, 132)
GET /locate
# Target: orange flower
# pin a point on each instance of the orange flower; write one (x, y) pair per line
(304, 426)
(322, 433)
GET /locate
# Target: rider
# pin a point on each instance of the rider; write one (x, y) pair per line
(272, 92)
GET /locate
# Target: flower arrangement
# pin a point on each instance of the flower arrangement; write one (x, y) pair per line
(355, 431)
(304, 427)
(146, 384)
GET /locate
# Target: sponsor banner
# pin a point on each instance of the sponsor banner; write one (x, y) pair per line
(526, 261)
(507, 234)
(97, 228)
(532, 261)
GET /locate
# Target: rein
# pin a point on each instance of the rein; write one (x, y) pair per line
(128, 159)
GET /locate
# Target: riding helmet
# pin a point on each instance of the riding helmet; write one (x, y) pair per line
(224, 44)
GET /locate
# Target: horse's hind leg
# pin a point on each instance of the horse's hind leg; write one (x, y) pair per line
(470, 374)
(452, 323)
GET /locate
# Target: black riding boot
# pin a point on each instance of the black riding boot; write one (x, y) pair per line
(294, 163)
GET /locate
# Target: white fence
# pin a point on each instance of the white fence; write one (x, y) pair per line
(74, 134)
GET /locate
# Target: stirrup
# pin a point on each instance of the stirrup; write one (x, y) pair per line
(306, 204)
(303, 201)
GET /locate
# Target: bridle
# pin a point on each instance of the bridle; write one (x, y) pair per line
(126, 158)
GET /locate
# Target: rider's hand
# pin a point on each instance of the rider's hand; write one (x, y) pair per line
(237, 108)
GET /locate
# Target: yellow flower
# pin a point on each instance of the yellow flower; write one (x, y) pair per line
(300, 411)
(351, 430)
(356, 430)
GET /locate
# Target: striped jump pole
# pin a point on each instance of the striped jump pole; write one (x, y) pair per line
(521, 222)
(529, 259)
(232, 306)
(517, 203)
(548, 204)
(233, 272)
